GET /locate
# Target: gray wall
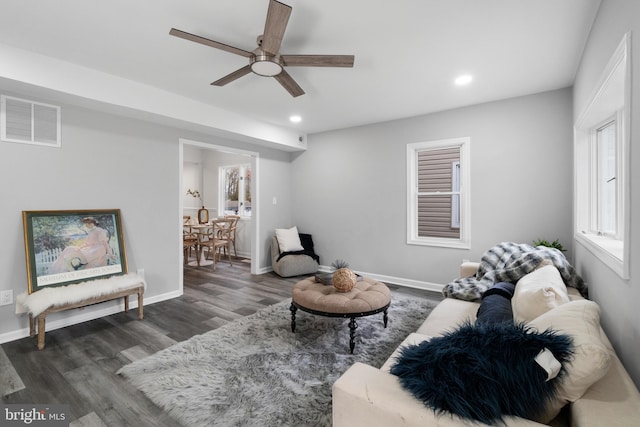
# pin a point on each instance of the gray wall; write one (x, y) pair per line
(349, 187)
(108, 161)
(618, 298)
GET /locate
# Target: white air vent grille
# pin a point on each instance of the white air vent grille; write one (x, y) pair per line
(29, 122)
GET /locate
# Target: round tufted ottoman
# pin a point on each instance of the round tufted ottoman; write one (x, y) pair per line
(368, 297)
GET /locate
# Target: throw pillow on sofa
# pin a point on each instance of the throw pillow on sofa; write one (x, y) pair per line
(592, 354)
(538, 292)
(483, 371)
(496, 304)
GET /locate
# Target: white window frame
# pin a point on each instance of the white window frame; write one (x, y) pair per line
(610, 101)
(33, 138)
(464, 241)
(455, 197)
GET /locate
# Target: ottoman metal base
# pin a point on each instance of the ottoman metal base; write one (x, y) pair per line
(353, 325)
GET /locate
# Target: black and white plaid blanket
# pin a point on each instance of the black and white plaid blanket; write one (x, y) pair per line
(508, 262)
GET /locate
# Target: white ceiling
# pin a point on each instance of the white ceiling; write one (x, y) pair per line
(407, 52)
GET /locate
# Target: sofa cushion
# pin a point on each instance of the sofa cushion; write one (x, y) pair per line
(483, 371)
(289, 239)
(538, 292)
(592, 356)
(447, 316)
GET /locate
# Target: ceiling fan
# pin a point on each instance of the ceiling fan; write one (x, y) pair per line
(266, 59)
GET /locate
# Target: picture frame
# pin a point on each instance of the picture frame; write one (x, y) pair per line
(71, 246)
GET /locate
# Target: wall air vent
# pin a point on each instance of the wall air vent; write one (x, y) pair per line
(29, 122)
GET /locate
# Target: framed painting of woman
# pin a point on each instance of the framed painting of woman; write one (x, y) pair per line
(64, 247)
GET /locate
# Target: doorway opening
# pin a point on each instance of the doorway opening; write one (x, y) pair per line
(204, 185)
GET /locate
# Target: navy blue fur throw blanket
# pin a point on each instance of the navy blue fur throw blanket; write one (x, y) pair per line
(484, 371)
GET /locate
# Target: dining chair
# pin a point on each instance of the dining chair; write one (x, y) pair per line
(218, 238)
(232, 234)
(189, 238)
(189, 242)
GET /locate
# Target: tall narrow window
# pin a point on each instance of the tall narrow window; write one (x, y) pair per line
(606, 188)
(438, 193)
(236, 190)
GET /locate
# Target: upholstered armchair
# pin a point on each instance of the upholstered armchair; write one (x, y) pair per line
(294, 263)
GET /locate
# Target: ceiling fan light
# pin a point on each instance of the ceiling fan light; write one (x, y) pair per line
(266, 65)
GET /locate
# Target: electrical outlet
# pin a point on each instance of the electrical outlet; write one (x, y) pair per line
(6, 297)
(141, 273)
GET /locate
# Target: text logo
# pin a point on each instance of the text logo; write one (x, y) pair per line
(40, 415)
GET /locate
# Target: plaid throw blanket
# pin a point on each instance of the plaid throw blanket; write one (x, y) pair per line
(508, 262)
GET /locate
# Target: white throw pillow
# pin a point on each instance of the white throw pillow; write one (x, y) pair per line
(288, 239)
(538, 292)
(592, 356)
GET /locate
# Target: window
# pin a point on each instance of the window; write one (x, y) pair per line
(29, 122)
(602, 166)
(438, 193)
(605, 143)
(236, 190)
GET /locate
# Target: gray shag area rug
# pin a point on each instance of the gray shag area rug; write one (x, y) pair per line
(255, 372)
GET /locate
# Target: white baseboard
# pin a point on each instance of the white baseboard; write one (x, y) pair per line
(83, 315)
(243, 254)
(409, 283)
(264, 270)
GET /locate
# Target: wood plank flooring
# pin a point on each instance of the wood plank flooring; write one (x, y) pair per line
(78, 365)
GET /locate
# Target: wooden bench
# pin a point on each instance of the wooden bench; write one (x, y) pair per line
(95, 300)
(120, 290)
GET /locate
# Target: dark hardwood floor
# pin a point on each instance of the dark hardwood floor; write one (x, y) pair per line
(79, 363)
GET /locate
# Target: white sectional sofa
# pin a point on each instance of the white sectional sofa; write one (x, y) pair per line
(368, 396)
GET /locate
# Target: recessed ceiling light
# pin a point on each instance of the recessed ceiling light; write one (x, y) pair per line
(295, 119)
(463, 80)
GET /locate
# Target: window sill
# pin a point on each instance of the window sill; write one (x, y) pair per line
(441, 243)
(607, 250)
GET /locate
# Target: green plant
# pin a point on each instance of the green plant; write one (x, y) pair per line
(338, 264)
(555, 244)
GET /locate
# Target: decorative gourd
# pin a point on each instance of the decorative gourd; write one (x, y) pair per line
(344, 279)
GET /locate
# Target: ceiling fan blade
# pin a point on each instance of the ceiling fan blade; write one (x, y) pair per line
(207, 42)
(318, 60)
(233, 76)
(277, 19)
(289, 84)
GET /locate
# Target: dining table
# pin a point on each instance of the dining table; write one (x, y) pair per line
(202, 230)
